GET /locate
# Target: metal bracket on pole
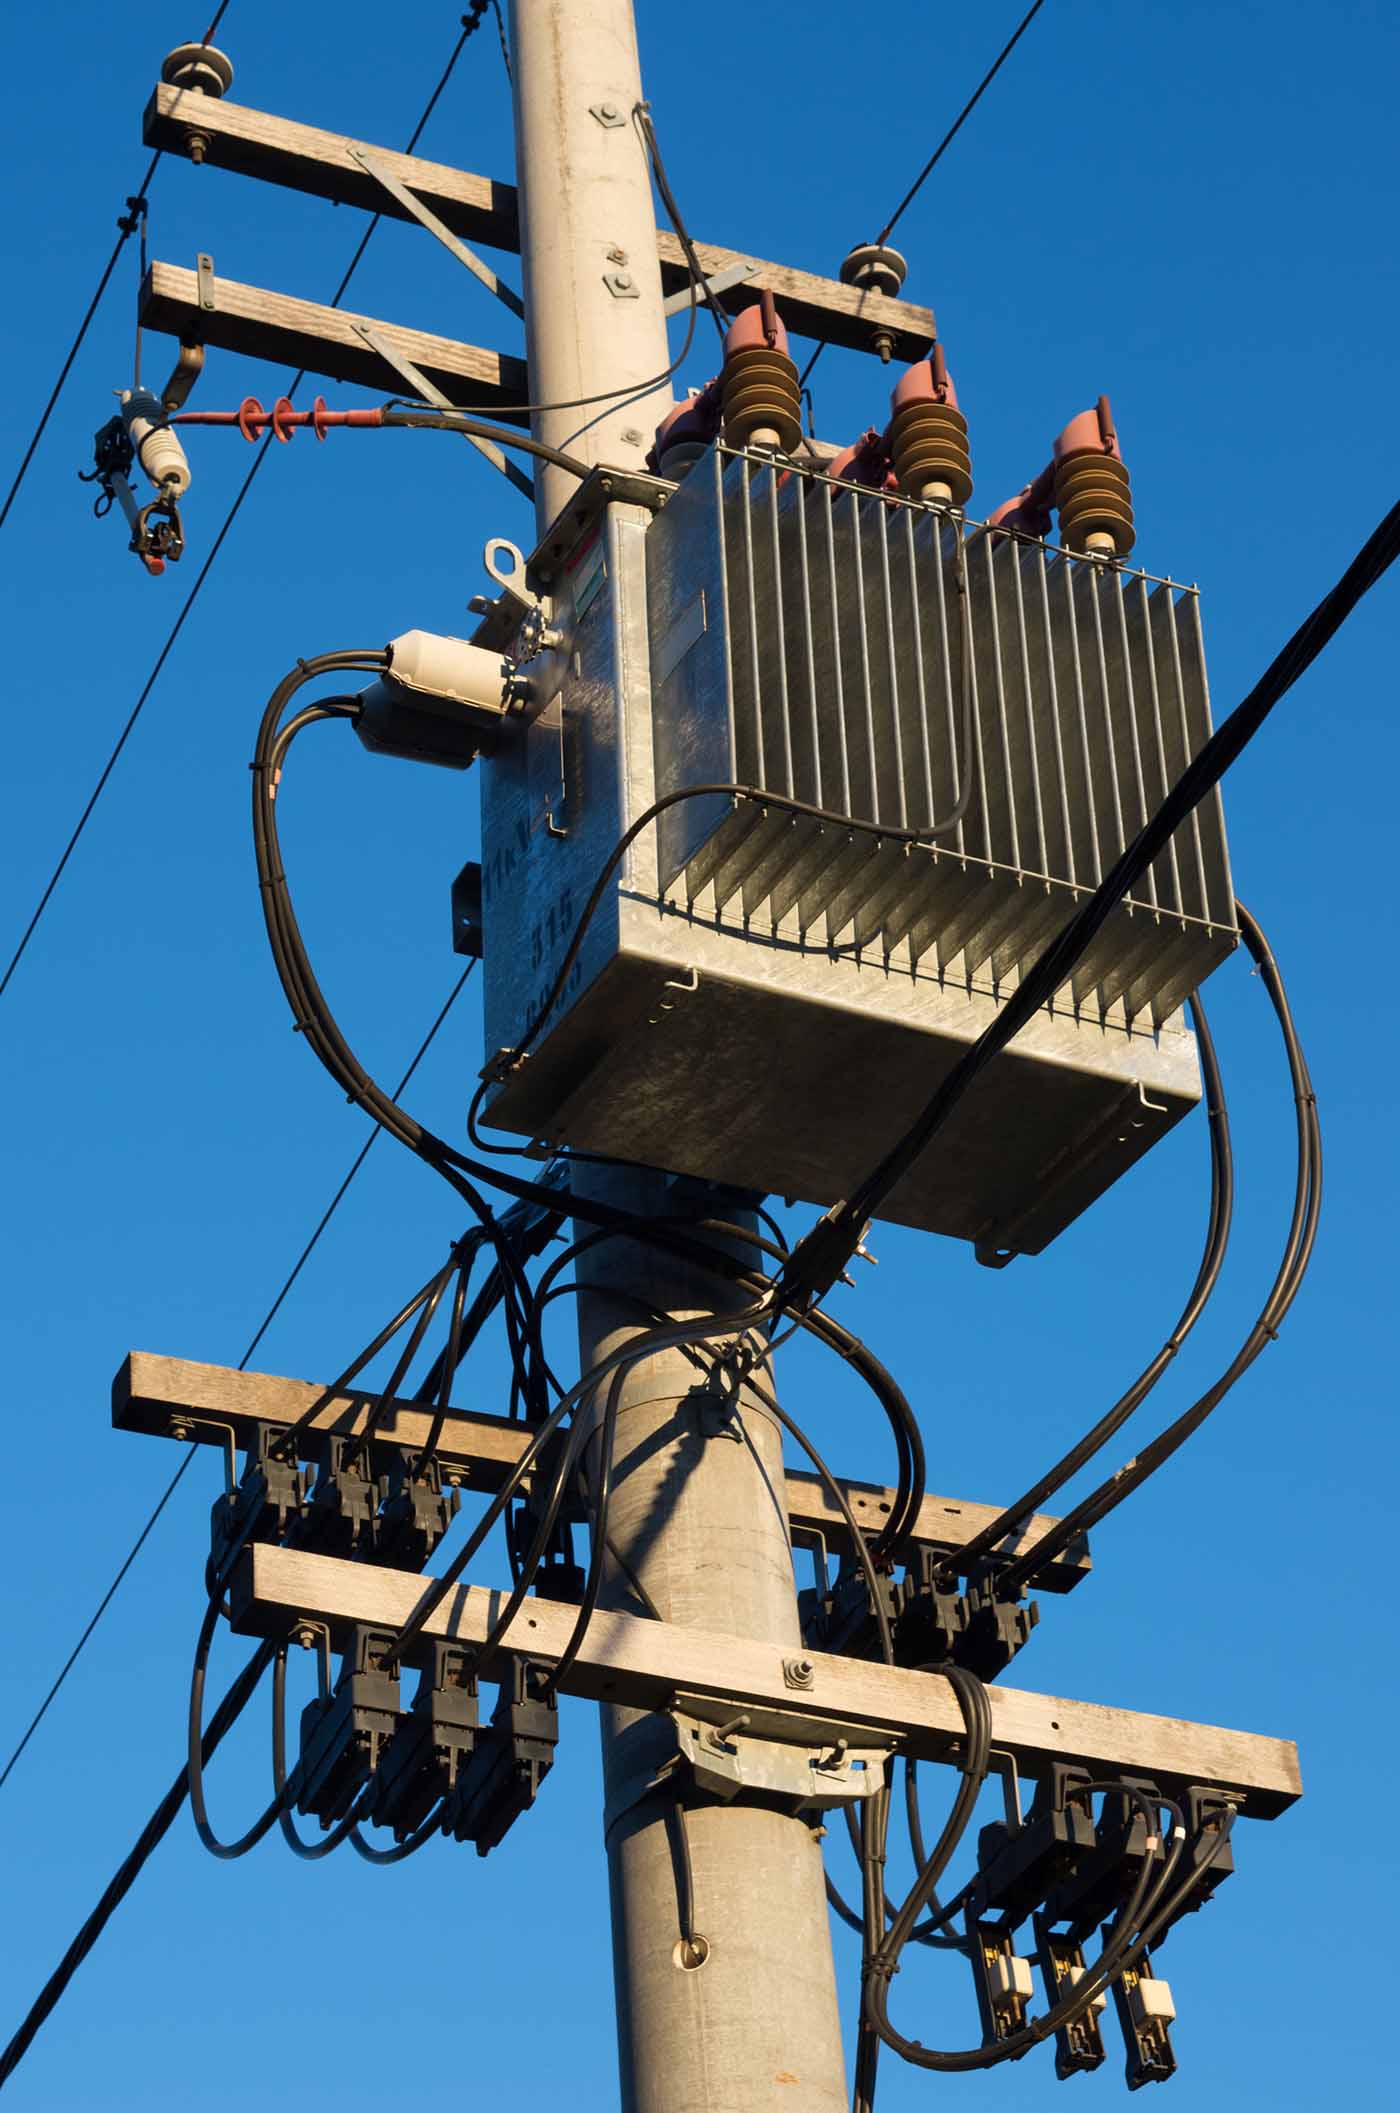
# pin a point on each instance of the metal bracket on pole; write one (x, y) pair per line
(717, 282)
(425, 217)
(431, 394)
(204, 275)
(811, 1773)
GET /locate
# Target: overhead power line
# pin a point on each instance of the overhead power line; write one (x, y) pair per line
(959, 121)
(266, 1322)
(127, 226)
(943, 145)
(469, 23)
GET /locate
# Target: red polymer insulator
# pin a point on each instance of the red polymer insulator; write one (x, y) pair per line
(866, 461)
(686, 432)
(318, 417)
(1093, 496)
(761, 398)
(250, 416)
(283, 419)
(927, 434)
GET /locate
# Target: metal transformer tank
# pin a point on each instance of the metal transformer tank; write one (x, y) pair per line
(767, 999)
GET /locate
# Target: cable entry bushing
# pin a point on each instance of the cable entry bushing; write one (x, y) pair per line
(927, 434)
(1092, 495)
(759, 390)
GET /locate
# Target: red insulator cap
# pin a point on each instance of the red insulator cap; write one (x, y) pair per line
(694, 421)
(758, 324)
(1090, 433)
(926, 382)
(866, 462)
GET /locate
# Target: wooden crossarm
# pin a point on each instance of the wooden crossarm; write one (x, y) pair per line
(480, 209)
(170, 1397)
(646, 1664)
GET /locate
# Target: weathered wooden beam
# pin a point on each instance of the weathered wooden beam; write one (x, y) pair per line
(294, 333)
(303, 158)
(648, 1664)
(170, 1397)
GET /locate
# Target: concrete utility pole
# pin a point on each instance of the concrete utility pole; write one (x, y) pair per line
(694, 1515)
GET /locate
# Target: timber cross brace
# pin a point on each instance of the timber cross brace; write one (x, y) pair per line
(647, 1664)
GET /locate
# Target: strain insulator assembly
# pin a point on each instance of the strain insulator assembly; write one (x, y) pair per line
(202, 68)
(873, 267)
(927, 434)
(762, 404)
(1092, 494)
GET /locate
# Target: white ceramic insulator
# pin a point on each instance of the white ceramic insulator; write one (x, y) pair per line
(158, 449)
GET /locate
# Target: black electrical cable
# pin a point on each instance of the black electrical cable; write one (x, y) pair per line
(909, 1491)
(1298, 1246)
(1222, 1195)
(284, 1787)
(881, 1948)
(264, 1324)
(411, 1844)
(229, 518)
(602, 1497)
(959, 121)
(194, 1760)
(1140, 1914)
(132, 1865)
(642, 119)
(399, 413)
(820, 1256)
(310, 1011)
(317, 1024)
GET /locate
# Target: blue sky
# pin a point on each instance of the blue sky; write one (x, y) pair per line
(1188, 205)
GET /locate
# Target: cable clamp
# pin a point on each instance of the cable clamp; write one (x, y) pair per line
(501, 1065)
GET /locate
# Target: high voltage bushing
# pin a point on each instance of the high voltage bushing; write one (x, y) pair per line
(1092, 495)
(927, 436)
(762, 402)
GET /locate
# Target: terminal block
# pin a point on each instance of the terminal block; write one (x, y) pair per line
(1210, 1859)
(1104, 1878)
(930, 1622)
(1079, 2044)
(415, 1512)
(268, 1501)
(431, 1744)
(340, 1514)
(1145, 2012)
(1003, 1978)
(1020, 1867)
(511, 1758)
(344, 1734)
